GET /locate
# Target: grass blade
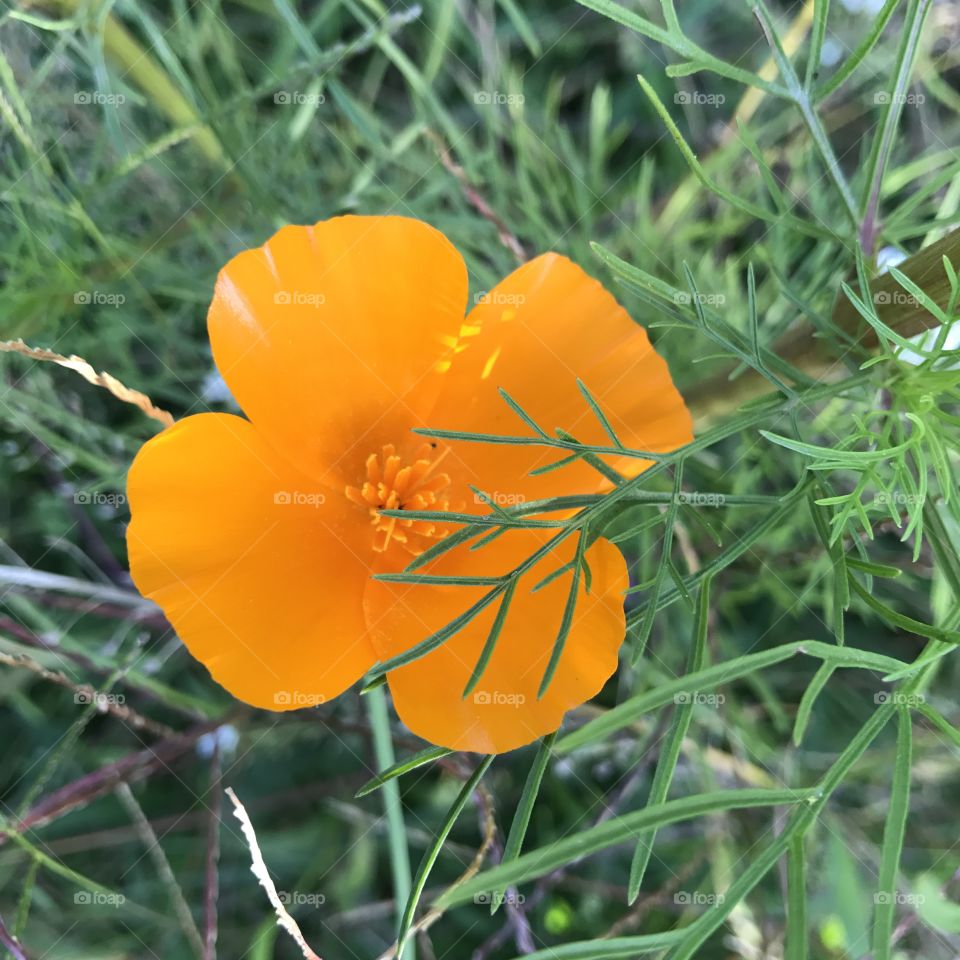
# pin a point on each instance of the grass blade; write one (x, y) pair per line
(398, 769)
(430, 857)
(885, 899)
(670, 754)
(521, 819)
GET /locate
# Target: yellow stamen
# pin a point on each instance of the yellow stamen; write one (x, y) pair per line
(390, 485)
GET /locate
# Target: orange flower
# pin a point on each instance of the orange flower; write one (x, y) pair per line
(259, 537)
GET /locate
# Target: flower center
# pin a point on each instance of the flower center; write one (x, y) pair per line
(391, 485)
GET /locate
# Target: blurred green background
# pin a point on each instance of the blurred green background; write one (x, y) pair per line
(144, 144)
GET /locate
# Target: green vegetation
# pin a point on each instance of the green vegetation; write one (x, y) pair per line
(773, 772)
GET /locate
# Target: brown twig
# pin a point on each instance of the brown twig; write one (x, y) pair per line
(79, 365)
(517, 923)
(645, 904)
(718, 394)
(610, 809)
(26, 636)
(434, 914)
(85, 694)
(162, 865)
(211, 889)
(128, 769)
(475, 199)
(196, 822)
(11, 943)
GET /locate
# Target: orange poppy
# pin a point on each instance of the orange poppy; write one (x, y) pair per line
(259, 537)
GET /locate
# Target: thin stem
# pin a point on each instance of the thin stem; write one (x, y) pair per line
(399, 855)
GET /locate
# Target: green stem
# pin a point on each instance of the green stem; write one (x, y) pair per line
(399, 855)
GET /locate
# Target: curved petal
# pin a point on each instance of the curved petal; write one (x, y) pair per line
(327, 334)
(503, 712)
(533, 335)
(248, 563)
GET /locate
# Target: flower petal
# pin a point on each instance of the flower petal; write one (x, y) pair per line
(536, 332)
(503, 711)
(248, 563)
(325, 332)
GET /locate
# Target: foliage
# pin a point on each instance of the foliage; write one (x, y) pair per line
(770, 774)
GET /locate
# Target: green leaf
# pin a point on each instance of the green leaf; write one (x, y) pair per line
(433, 851)
(797, 937)
(932, 906)
(521, 818)
(670, 751)
(614, 948)
(398, 769)
(885, 899)
(632, 710)
(611, 832)
(820, 679)
(491, 642)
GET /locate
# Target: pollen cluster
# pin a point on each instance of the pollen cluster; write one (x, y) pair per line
(390, 485)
